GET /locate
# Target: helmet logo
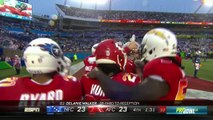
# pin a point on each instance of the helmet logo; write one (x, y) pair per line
(107, 52)
(158, 33)
(51, 49)
(56, 52)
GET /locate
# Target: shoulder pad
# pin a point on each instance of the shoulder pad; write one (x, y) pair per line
(7, 82)
(157, 78)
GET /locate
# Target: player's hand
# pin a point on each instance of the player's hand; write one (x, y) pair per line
(139, 64)
(93, 74)
(132, 38)
(92, 60)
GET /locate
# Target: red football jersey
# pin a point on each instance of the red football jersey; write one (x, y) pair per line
(89, 63)
(130, 66)
(60, 88)
(171, 73)
(93, 92)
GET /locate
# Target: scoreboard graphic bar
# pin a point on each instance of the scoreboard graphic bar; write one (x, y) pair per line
(169, 110)
(178, 110)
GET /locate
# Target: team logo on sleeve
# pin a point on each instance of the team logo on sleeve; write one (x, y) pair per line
(8, 82)
(69, 77)
(129, 78)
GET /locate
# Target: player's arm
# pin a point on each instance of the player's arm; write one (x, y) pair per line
(151, 88)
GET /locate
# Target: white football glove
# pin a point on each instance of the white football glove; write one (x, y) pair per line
(92, 60)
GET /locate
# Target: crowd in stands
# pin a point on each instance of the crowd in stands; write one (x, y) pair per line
(6, 59)
(27, 25)
(189, 45)
(134, 15)
(83, 41)
(12, 41)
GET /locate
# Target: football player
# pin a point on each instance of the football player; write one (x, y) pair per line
(111, 60)
(197, 62)
(132, 57)
(44, 61)
(163, 78)
(89, 62)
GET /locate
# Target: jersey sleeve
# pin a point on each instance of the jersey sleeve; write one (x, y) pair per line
(127, 50)
(85, 61)
(89, 64)
(130, 67)
(76, 88)
(7, 87)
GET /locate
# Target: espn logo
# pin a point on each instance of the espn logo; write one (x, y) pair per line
(31, 109)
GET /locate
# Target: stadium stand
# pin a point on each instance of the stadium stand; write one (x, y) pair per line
(134, 15)
(16, 34)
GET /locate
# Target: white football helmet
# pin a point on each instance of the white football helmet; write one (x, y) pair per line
(94, 48)
(43, 55)
(158, 42)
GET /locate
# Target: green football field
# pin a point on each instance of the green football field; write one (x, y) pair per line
(206, 70)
